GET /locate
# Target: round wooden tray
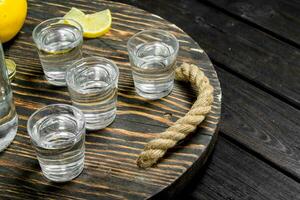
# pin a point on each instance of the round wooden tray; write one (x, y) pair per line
(110, 169)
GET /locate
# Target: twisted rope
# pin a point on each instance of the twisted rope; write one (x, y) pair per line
(156, 148)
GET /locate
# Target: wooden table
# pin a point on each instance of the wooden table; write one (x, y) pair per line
(254, 46)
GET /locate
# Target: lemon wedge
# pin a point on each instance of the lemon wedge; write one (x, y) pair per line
(75, 14)
(94, 25)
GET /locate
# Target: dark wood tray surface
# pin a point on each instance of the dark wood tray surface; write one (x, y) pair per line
(110, 171)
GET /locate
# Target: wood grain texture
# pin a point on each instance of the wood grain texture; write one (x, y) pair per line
(261, 122)
(110, 170)
(253, 61)
(255, 55)
(277, 16)
(258, 147)
(245, 177)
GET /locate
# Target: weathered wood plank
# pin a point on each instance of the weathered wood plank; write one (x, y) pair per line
(234, 174)
(251, 53)
(261, 122)
(277, 16)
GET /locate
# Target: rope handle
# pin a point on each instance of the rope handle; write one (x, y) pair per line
(156, 148)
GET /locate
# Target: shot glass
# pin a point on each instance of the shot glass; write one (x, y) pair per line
(58, 133)
(59, 43)
(152, 54)
(93, 87)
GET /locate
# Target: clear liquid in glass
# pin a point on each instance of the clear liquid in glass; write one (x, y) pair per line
(152, 72)
(93, 91)
(59, 46)
(60, 148)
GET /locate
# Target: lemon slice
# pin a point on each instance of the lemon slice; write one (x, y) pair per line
(94, 25)
(75, 14)
(97, 24)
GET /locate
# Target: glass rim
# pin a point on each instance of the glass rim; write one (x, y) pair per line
(162, 32)
(30, 119)
(77, 64)
(35, 33)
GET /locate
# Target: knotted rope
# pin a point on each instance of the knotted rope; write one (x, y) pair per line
(156, 148)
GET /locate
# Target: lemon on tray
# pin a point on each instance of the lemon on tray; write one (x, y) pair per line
(94, 25)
